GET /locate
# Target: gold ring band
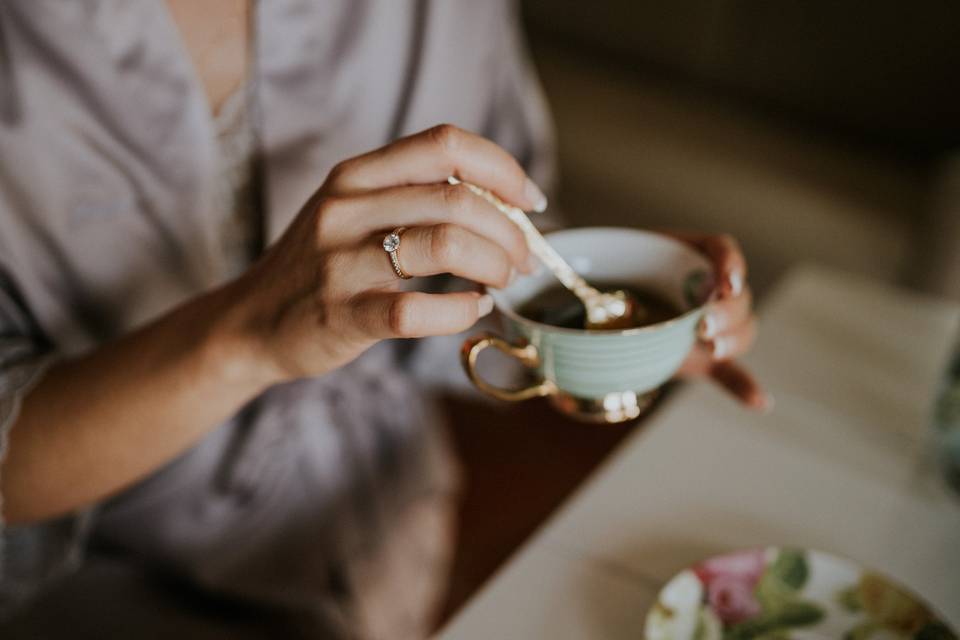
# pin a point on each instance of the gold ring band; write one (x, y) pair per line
(391, 244)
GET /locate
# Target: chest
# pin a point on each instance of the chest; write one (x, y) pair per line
(110, 205)
(216, 36)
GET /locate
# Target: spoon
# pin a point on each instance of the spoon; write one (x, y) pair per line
(605, 310)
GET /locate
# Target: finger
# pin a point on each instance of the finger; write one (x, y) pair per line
(729, 375)
(698, 362)
(741, 383)
(734, 343)
(726, 315)
(727, 257)
(434, 155)
(428, 251)
(416, 315)
(349, 220)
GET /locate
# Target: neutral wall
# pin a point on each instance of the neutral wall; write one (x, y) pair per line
(651, 155)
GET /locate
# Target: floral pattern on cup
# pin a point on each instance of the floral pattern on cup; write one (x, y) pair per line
(770, 594)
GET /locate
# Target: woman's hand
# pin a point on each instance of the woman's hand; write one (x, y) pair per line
(729, 327)
(326, 291)
(323, 293)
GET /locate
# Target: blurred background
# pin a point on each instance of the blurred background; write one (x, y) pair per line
(810, 130)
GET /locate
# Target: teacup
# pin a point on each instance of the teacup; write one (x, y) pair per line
(601, 376)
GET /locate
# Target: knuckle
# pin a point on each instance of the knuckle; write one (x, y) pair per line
(725, 238)
(326, 213)
(323, 313)
(402, 316)
(445, 243)
(717, 247)
(357, 314)
(518, 243)
(329, 267)
(446, 136)
(503, 267)
(330, 204)
(340, 172)
(456, 200)
(499, 266)
(729, 243)
(462, 316)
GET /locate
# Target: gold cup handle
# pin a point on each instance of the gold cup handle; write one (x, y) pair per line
(527, 355)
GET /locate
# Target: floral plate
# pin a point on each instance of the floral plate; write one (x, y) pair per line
(780, 594)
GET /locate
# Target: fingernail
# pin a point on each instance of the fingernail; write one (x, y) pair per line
(736, 283)
(533, 263)
(535, 196)
(721, 348)
(708, 326)
(484, 305)
(512, 276)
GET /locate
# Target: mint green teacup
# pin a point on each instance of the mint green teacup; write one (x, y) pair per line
(602, 376)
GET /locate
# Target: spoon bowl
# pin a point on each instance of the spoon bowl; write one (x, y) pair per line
(605, 311)
(615, 310)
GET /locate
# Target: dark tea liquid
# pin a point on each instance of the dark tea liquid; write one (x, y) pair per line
(558, 307)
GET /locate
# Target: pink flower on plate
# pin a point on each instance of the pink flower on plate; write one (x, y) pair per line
(731, 581)
(732, 599)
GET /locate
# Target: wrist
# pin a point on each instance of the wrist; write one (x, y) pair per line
(229, 352)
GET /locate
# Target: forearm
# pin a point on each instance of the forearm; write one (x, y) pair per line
(323, 293)
(98, 423)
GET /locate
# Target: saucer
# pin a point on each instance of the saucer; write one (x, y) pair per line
(780, 593)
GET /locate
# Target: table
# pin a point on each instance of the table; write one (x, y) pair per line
(521, 462)
(842, 464)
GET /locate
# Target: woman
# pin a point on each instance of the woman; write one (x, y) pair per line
(192, 319)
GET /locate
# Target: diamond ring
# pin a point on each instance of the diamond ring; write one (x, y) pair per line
(391, 244)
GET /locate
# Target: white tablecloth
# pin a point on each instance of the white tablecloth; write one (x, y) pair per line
(843, 464)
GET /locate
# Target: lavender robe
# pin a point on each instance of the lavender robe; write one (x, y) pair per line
(325, 493)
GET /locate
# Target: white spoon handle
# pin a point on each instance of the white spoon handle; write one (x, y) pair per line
(539, 246)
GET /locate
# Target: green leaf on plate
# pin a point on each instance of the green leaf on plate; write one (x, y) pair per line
(709, 626)
(791, 568)
(849, 599)
(773, 593)
(751, 629)
(799, 614)
(790, 614)
(700, 632)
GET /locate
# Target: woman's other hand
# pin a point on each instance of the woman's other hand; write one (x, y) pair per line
(729, 326)
(326, 291)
